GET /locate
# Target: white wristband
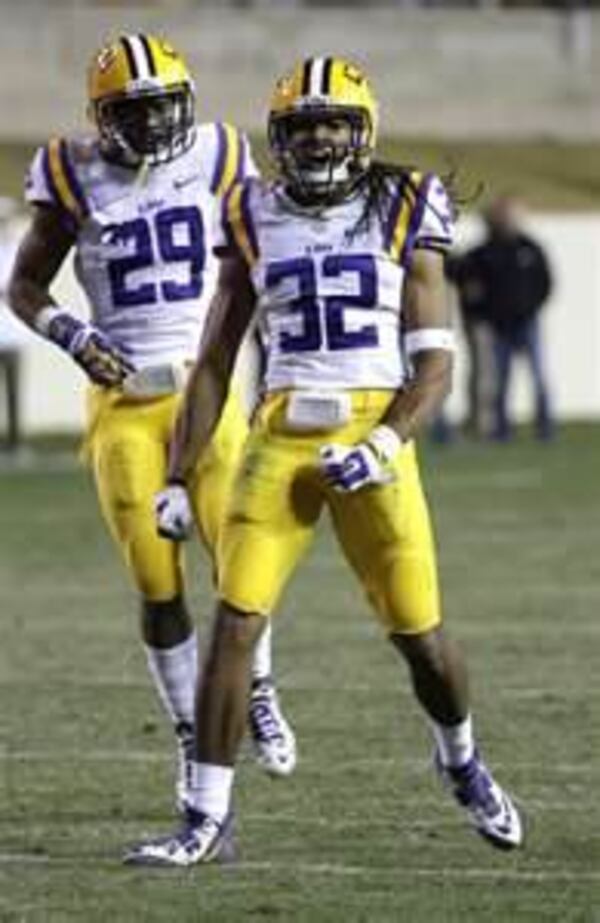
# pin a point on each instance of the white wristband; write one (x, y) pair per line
(416, 341)
(385, 441)
(43, 319)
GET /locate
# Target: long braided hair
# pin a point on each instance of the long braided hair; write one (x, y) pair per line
(383, 178)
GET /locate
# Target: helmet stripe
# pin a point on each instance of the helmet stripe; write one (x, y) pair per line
(131, 60)
(138, 52)
(316, 77)
(326, 81)
(306, 77)
(148, 54)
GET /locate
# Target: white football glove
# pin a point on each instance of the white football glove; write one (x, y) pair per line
(350, 468)
(173, 512)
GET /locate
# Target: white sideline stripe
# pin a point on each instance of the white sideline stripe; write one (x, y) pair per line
(550, 873)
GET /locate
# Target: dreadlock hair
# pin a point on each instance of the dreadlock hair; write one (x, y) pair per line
(382, 178)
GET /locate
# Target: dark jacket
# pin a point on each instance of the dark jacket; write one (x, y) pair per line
(504, 281)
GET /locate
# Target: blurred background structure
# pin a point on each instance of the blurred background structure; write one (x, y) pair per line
(507, 92)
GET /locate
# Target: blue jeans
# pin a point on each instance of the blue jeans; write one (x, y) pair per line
(524, 339)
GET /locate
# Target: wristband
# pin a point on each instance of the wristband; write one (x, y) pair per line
(44, 318)
(385, 442)
(62, 328)
(417, 341)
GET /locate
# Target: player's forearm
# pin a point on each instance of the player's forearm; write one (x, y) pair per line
(200, 413)
(419, 400)
(27, 298)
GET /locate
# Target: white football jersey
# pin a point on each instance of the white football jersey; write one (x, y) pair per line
(144, 239)
(329, 285)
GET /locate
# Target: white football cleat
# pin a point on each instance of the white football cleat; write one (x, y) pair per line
(490, 809)
(199, 841)
(273, 739)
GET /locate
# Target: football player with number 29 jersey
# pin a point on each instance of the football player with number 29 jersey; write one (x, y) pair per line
(341, 262)
(139, 201)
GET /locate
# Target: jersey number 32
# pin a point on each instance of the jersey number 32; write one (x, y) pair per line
(323, 317)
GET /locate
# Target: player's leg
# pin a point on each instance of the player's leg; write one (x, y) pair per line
(387, 538)
(273, 739)
(503, 357)
(268, 528)
(127, 452)
(532, 347)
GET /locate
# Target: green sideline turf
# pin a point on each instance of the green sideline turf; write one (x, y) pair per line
(362, 833)
(548, 174)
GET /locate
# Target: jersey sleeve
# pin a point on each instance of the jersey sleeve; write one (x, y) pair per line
(436, 225)
(236, 227)
(420, 216)
(52, 180)
(233, 161)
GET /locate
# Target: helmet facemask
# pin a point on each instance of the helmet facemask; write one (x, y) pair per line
(322, 152)
(154, 126)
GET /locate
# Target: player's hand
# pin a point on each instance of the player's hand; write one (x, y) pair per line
(350, 468)
(173, 513)
(100, 360)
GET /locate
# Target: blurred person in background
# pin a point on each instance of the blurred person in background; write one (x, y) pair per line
(137, 201)
(479, 345)
(503, 284)
(11, 332)
(341, 261)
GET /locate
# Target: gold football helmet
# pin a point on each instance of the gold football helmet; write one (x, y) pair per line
(141, 99)
(323, 128)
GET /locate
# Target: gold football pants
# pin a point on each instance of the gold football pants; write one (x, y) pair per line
(384, 530)
(127, 443)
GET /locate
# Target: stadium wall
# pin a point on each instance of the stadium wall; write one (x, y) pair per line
(53, 388)
(438, 73)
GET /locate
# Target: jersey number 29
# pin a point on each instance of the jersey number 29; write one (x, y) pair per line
(166, 245)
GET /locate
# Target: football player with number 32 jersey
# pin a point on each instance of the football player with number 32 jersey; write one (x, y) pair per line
(341, 262)
(139, 201)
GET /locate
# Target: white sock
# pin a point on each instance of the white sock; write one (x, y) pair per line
(261, 662)
(174, 671)
(454, 742)
(210, 789)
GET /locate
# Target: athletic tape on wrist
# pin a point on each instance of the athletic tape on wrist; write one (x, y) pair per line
(44, 318)
(416, 341)
(385, 441)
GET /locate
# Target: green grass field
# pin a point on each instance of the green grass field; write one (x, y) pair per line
(362, 832)
(548, 174)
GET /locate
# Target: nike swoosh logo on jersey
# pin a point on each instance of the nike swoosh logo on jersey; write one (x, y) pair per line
(186, 181)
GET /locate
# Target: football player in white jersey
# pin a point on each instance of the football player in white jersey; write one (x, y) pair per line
(137, 201)
(341, 260)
